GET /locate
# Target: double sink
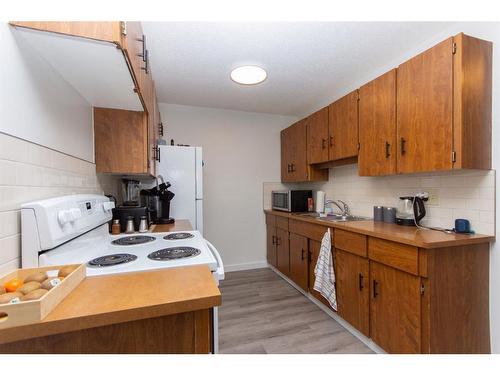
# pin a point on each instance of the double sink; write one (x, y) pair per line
(333, 217)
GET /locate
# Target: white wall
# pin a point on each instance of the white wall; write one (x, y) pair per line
(36, 104)
(241, 150)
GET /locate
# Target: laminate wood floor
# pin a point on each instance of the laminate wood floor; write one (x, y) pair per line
(262, 313)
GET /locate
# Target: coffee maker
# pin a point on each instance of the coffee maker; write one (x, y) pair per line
(157, 200)
(411, 209)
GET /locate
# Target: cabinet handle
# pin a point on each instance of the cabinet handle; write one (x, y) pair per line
(288, 168)
(387, 150)
(361, 283)
(274, 240)
(159, 153)
(303, 254)
(309, 256)
(375, 293)
(143, 41)
(278, 242)
(323, 143)
(331, 140)
(160, 129)
(146, 61)
(292, 166)
(403, 141)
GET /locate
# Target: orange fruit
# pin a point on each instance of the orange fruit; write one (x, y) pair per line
(12, 285)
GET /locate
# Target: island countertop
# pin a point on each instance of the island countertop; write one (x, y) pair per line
(106, 300)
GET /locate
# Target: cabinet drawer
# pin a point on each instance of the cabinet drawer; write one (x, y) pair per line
(309, 230)
(282, 222)
(400, 256)
(351, 242)
(271, 220)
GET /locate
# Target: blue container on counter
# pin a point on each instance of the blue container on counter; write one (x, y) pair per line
(462, 226)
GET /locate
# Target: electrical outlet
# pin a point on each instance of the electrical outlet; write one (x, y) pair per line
(433, 197)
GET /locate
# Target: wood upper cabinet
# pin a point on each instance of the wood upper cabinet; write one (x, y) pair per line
(113, 31)
(353, 289)
(294, 163)
(444, 107)
(343, 127)
(282, 251)
(121, 141)
(317, 137)
(299, 260)
(395, 316)
(271, 245)
(377, 126)
(134, 47)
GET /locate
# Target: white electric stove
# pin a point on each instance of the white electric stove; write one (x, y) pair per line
(74, 229)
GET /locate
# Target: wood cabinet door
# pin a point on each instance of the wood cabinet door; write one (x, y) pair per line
(395, 316)
(314, 248)
(425, 110)
(298, 260)
(317, 136)
(286, 152)
(353, 289)
(282, 251)
(271, 245)
(298, 150)
(343, 127)
(377, 126)
(134, 48)
(120, 141)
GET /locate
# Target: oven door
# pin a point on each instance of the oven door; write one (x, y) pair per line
(281, 200)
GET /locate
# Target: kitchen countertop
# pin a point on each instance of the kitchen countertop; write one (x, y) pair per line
(177, 226)
(106, 300)
(424, 238)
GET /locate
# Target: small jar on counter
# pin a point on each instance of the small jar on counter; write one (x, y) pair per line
(115, 227)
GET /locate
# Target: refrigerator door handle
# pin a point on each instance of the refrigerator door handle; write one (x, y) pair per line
(220, 265)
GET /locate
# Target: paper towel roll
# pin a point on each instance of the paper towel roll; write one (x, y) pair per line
(320, 201)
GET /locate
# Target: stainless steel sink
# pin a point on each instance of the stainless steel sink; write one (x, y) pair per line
(335, 217)
(341, 218)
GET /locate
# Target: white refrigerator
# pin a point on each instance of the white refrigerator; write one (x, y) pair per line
(182, 167)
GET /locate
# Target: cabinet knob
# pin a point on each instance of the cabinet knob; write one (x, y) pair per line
(387, 150)
(331, 140)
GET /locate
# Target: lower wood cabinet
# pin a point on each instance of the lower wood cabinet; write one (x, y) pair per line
(282, 251)
(353, 290)
(271, 245)
(395, 316)
(299, 260)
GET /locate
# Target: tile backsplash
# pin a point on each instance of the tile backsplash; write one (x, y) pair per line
(468, 194)
(30, 172)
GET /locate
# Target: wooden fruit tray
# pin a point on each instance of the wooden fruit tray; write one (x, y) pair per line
(29, 312)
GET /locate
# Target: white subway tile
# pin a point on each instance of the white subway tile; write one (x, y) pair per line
(10, 223)
(10, 248)
(12, 148)
(487, 217)
(8, 267)
(481, 204)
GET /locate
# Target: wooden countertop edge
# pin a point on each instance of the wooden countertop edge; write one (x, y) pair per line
(466, 240)
(78, 323)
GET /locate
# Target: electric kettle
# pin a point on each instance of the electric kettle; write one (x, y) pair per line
(410, 211)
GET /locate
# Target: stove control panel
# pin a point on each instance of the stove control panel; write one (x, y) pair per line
(61, 219)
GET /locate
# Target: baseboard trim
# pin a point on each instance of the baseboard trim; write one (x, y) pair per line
(365, 340)
(245, 266)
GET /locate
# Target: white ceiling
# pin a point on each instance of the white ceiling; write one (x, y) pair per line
(308, 64)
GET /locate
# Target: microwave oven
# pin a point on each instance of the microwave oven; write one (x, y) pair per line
(291, 200)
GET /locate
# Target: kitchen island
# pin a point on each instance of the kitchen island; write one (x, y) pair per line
(161, 311)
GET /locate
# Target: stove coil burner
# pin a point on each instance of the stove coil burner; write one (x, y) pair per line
(111, 260)
(173, 253)
(133, 240)
(178, 236)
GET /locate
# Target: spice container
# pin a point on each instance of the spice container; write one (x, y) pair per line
(143, 226)
(130, 225)
(115, 227)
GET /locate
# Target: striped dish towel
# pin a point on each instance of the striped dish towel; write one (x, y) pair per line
(324, 272)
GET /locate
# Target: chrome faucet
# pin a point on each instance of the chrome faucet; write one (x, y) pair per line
(342, 206)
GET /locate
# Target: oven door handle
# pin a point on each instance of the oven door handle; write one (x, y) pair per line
(220, 265)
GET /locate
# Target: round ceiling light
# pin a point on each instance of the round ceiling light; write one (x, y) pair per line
(248, 75)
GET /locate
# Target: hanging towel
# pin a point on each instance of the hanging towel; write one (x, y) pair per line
(324, 272)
